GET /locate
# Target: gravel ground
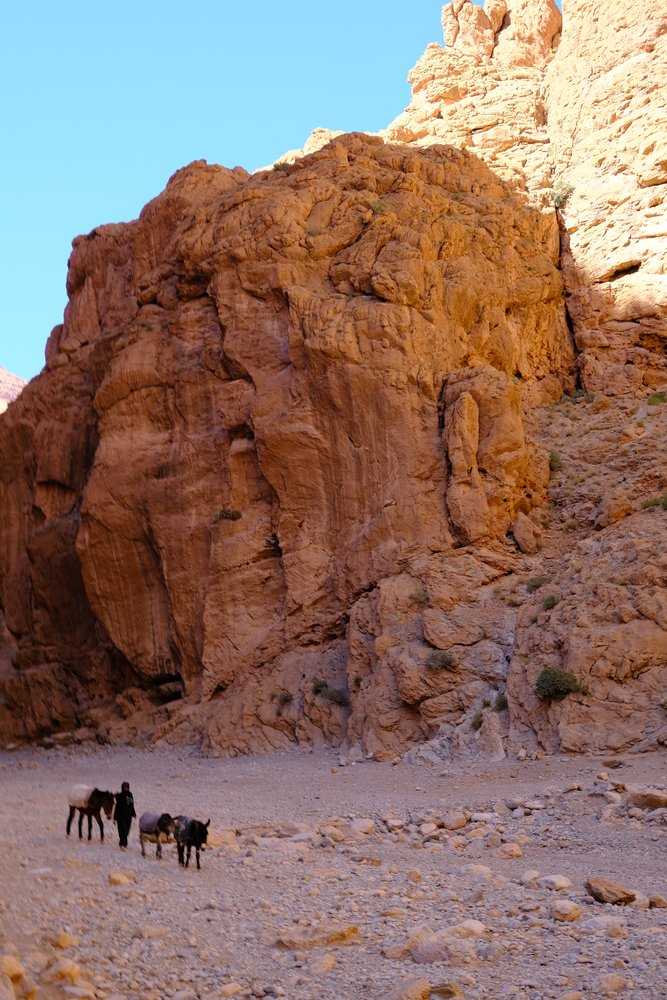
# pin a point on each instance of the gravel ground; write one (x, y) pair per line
(336, 883)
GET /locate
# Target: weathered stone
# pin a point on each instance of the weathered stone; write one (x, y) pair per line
(611, 510)
(565, 910)
(319, 935)
(205, 348)
(557, 883)
(411, 989)
(646, 798)
(125, 877)
(610, 984)
(527, 534)
(608, 892)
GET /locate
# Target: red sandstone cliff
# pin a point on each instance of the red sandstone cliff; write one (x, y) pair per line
(280, 478)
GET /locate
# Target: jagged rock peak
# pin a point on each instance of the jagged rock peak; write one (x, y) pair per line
(10, 387)
(516, 32)
(484, 91)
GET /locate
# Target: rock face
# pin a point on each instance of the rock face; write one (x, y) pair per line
(312, 477)
(607, 106)
(286, 395)
(578, 123)
(485, 91)
(10, 388)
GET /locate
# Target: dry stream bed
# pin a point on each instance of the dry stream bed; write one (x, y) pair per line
(336, 882)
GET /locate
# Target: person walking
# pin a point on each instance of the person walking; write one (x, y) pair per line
(124, 813)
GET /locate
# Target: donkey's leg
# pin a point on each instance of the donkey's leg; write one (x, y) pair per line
(198, 865)
(80, 824)
(98, 817)
(187, 860)
(72, 810)
(90, 824)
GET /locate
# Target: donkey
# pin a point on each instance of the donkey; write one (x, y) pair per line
(89, 801)
(156, 830)
(189, 833)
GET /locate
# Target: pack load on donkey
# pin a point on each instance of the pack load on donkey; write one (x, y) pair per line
(89, 801)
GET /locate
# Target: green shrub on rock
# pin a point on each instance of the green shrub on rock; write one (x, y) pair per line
(554, 684)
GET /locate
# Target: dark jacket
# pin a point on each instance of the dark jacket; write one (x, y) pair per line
(124, 811)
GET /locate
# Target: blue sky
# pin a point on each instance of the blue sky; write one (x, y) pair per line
(103, 102)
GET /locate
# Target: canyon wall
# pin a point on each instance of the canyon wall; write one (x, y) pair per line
(299, 452)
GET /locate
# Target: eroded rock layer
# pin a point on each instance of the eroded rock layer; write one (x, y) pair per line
(607, 123)
(485, 89)
(283, 394)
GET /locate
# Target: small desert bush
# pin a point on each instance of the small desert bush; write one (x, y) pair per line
(440, 659)
(514, 602)
(477, 720)
(550, 601)
(560, 193)
(554, 684)
(501, 702)
(555, 461)
(281, 165)
(357, 681)
(380, 207)
(660, 501)
(419, 596)
(284, 698)
(535, 583)
(226, 514)
(335, 695)
(656, 398)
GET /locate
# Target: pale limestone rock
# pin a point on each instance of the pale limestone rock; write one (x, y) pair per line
(565, 910)
(606, 106)
(362, 826)
(484, 90)
(509, 850)
(609, 926)
(454, 820)
(557, 883)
